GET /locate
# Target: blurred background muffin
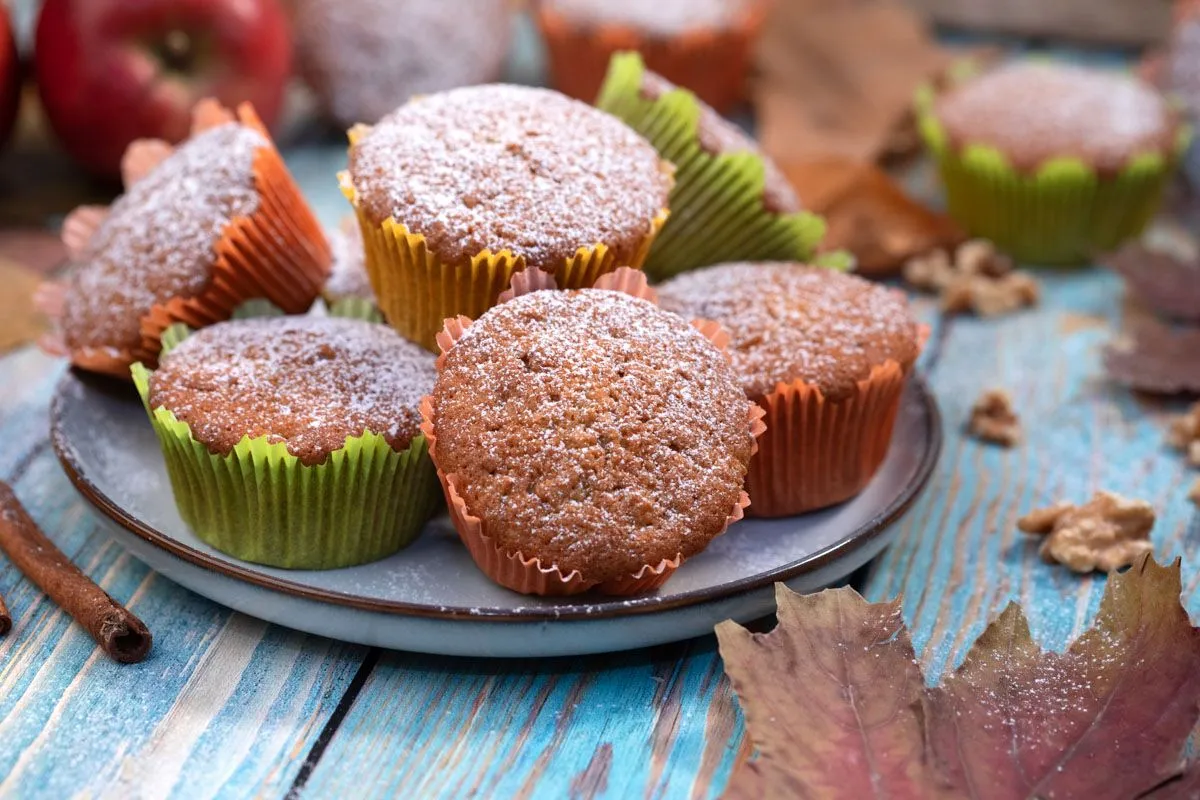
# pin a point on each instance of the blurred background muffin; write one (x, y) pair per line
(703, 45)
(363, 58)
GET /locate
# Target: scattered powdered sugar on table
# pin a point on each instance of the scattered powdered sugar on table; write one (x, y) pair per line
(1037, 112)
(592, 430)
(789, 322)
(719, 136)
(495, 167)
(364, 58)
(308, 381)
(157, 242)
(348, 277)
(663, 17)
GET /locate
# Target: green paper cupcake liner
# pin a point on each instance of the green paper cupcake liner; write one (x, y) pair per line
(356, 308)
(259, 503)
(1063, 214)
(717, 212)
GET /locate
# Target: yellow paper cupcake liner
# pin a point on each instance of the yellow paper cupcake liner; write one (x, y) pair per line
(1065, 213)
(417, 291)
(260, 503)
(717, 211)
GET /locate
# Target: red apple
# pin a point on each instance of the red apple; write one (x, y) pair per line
(111, 71)
(10, 76)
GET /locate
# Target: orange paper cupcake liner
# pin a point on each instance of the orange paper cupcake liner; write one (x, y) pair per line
(819, 452)
(417, 290)
(278, 253)
(714, 64)
(514, 570)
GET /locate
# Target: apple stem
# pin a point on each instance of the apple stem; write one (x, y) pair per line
(177, 51)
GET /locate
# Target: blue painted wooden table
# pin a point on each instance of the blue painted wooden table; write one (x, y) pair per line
(229, 706)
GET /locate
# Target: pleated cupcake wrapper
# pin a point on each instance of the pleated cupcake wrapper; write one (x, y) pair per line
(818, 452)
(278, 253)
(717, 207)
(1066, 213)
(514, 570)
(713, 63)
(417, 290)
(259, 503)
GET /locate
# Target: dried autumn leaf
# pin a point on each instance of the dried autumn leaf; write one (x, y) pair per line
(831, 698)
(870, 215)
(1165, 282)
(838, 708)
(1153, 357)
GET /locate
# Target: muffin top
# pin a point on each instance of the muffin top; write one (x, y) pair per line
(365, 57)
(662, 17)
(719, 136)
(792, 322)
(592, 430)
(158, 239)
(1035, 112)
(348, 274)
(508, 167)
(309, 382)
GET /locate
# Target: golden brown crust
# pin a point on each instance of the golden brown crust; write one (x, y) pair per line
(592, 431)
(158, 240)
(510, 168)
(1034, 113)
(790, 322)
(308, 381)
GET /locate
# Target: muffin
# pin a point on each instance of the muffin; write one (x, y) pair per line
(705, 45)
(826, 355)
(348, 290)
(294, 441)
(730, 201)
(455, 192)
(1053, 163)
(363, 58)
(587, 439)
(199, 230)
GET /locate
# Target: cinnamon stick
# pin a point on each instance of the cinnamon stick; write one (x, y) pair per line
(118, 632)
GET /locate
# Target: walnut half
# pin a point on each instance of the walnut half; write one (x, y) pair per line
(1106, 533)
(1184, 434)
(994, 420)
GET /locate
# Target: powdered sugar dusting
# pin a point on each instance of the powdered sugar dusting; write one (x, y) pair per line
(308, 381)
(495, 167)
(348, 276)
(157, 241)
(592, 430)
(366, 57)
(1037, 112)
(789, 322)
(653, 16)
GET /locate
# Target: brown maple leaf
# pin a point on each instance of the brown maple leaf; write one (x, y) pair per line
(832, 700)
(1155, 358)
(837, 706)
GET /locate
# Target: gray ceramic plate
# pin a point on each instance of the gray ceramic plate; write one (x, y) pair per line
(430, 597)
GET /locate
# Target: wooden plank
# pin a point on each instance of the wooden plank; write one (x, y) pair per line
(1126, 22)
(959, 558)
(653, 723)
(225, 701)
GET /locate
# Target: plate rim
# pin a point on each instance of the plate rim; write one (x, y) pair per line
(612, 608)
